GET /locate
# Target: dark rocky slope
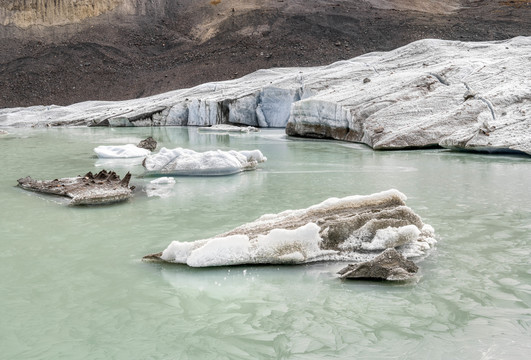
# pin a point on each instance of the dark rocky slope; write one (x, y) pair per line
(121, 49)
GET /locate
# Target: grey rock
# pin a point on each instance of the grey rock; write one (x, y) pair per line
(149, 143)
(389, 265)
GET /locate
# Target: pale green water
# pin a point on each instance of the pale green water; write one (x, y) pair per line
(73, 286)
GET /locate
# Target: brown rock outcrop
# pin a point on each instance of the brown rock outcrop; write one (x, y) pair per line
(102, 188)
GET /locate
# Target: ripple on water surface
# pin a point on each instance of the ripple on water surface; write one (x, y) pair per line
(73, 285)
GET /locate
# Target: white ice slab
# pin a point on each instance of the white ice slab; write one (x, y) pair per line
(186, 162)
(120, 151)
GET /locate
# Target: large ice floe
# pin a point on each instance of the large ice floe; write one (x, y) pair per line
(354, 228)
(186, 162)
(459, 95)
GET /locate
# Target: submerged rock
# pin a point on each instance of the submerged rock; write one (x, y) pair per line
(389, 265)
(181, 161)
(355, 228)
(102, 188)
(149, 144)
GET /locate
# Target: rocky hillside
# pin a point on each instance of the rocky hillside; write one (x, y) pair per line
(66, 51)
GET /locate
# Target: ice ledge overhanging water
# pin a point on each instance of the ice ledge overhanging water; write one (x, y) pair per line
(459, 95)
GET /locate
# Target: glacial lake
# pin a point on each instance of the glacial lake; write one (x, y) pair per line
(73, 285)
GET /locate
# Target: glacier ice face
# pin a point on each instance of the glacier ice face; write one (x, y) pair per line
(459, 95)
(179, 161)
(120, 151)
(334, 230)
(472, 96)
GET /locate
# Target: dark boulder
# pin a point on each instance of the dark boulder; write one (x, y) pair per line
(149, 144)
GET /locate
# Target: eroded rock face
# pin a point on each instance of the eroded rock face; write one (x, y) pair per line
(428, 6)
(102, 188)
(24, 13)
(471, 96)
(389, 265)
(355, 228)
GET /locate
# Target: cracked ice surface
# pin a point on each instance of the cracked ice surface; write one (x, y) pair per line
(459, 95)
(354, 228)
(181, 161)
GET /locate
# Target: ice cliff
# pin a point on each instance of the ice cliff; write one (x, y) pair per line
(474, 96)
(354, 228)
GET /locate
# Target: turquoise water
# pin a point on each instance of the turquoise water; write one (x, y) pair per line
(73, 285)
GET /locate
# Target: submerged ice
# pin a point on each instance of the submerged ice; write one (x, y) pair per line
(354, 228)
(181, 161)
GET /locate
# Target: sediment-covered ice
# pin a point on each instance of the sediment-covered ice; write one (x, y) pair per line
(181, 161)
(101, 188)
(355, 228)
(120, 151)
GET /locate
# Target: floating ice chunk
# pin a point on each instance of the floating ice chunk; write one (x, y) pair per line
(355, 228)
(113, 163)
(227, 128)
(178, 252)
(161, 187)
(163, 181)
(280, 246)
(181, 161)
(120, 151)
(231, 250)
(254, 156)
